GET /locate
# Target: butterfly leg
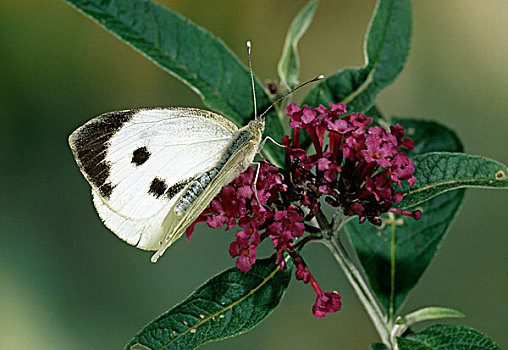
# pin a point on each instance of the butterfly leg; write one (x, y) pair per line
(258, 165)
(164, 246)
(262, 144)
(159, 252)
(254, 184)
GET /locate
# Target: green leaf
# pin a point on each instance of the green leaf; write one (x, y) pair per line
(429, 313)
(446, 337)
(289, 63)
(378, 346)
(429, 136)
(394, 258)
(425, 314)
(230, 303)
(439, 172)
(386, 51)
(191, 54)
(375, 114)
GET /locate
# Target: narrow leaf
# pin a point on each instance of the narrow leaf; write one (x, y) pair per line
(375, 114)
(425, 314)
(439, 172)
(446, 337)
(378, 346)
(429, 313)
(289, 63)
(190, 53)
(230, 303)
(394, 257)
(386, 51)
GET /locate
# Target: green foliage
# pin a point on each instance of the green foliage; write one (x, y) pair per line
(378, 346)
(392, 257)
(386, 51)
(446, 337)
(228, 304)
(429, 313)
(395, 256)
(429, 136)
(439, 172)
(289, 63)
(191, 54)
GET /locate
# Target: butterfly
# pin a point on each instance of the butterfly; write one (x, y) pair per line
(153, 171)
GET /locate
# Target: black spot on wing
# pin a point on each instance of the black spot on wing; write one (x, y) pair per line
(106, 190)
(90, 142)
(173, 190)
(157, 187)
(140, 155)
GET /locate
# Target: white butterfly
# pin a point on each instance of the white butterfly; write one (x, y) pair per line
(153, 171)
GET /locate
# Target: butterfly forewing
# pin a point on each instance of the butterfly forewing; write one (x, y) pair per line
(140, 161)
(237, 158)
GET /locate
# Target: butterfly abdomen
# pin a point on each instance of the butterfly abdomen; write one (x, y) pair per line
(194, 190)
(240, 139)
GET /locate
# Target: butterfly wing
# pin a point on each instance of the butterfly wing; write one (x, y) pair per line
(238, 155)
(139, 162)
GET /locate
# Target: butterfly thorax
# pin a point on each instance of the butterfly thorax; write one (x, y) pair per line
(245, 141)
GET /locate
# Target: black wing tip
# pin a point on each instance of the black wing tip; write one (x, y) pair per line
(89, 144)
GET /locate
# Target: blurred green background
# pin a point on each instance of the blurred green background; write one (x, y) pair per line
(66, 282)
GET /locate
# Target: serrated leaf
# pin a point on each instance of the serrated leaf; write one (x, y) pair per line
(394, 258)
(230, 303)
(439, 172)
(289, 63)
(191, 54)
(446, 337)
(386, 51)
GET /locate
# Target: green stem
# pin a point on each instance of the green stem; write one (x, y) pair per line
(355, 277)
(392, 268)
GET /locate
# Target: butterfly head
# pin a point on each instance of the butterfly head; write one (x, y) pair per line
(257, 126)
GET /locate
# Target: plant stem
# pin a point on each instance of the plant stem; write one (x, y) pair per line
(333, 242)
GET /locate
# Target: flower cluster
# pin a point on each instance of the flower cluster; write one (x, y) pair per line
(355, 167)
(358, 166)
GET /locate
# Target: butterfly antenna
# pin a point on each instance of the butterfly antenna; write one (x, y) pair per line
(252, 80)
(289, 93)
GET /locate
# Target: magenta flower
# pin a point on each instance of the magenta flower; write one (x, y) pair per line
(245, 251)
(326, 303)
(225, 208)
(353, 166)
(303, 273)
(287, 224)
(399, 132)
(402, 168)
(380, 146)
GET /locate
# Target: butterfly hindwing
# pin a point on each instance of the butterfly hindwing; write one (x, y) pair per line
(139, 162)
